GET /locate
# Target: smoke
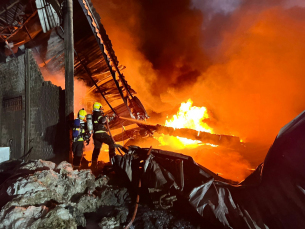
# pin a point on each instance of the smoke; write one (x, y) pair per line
(158, 42)
(294, 3)
(241, 59)
(255, 84)
(217, 6)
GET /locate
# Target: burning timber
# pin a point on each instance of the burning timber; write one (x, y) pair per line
(205, 137)
(172, 191)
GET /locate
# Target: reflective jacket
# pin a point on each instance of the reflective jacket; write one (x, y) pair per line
(99, 120)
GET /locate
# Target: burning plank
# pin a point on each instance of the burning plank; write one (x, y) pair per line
(204, 137)
(189, 123)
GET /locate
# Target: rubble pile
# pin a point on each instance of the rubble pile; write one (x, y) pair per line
(40, 194)
(58, 197)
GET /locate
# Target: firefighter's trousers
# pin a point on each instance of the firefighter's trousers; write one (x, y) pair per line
(99, 139)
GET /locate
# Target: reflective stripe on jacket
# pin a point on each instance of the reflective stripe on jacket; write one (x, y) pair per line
(99, 122)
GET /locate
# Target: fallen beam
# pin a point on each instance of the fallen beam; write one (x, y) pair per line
(204, 137)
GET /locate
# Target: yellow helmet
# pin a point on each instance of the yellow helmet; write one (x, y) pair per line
(97, 106)
(82, 114)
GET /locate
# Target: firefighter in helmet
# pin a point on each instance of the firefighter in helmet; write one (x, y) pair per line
(80, 134)
(100, 135)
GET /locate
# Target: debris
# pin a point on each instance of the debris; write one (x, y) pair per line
(109, 223)
(58, 197)
(34, 165)
(183, 193)
(102, 181)
(22, 217)
(58, 218)
(168, 176)
(65, 167)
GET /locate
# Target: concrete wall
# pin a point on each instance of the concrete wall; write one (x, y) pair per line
(46, 127)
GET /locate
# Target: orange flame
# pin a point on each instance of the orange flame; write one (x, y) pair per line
(188, 116)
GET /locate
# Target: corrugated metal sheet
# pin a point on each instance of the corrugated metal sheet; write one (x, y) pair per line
(95, 59)
(47, 15)
(98, 57)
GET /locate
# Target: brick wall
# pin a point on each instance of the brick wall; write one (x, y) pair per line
(12, 84)
(47, 127)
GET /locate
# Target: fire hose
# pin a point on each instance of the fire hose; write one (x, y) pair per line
(137, 201)
(135, 209)
(112, 137)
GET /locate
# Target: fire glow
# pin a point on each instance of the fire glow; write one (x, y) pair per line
(190, 117)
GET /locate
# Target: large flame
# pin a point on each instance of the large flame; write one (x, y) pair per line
(190, 117)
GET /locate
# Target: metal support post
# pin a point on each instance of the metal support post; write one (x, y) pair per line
(27, 102)
(69, 69)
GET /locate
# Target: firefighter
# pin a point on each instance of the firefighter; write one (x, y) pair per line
(100, 135)
(80, 134)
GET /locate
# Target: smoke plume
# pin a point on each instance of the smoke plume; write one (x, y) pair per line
(240, 59)
(243, 60)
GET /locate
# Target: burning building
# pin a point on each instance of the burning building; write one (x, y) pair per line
(43, 114)
(228, 132)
